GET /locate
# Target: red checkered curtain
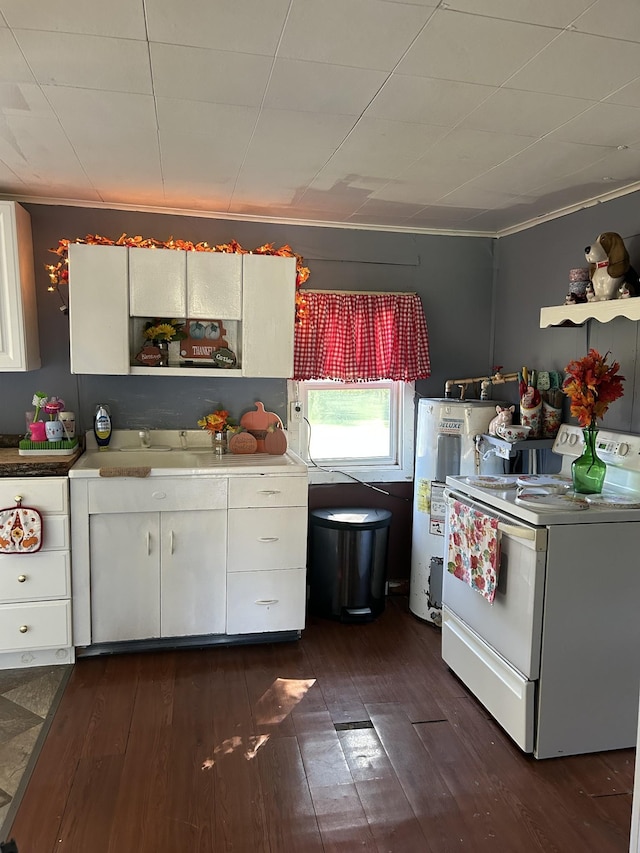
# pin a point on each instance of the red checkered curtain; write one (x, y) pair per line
(356, 337)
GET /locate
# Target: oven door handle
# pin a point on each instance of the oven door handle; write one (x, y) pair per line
(516, 531)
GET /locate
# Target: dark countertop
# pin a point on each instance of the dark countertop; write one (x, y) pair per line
(14, 465)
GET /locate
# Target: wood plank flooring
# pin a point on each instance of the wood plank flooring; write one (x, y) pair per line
(355, 738)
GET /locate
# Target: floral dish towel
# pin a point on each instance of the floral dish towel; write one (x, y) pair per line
(473, 548)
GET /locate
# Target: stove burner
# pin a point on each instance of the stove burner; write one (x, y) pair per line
(538, 499)
(485, 482)
(612, 500)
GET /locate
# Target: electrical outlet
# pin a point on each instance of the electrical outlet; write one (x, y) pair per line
(295, 412)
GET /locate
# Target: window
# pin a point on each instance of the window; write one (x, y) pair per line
(346, 430)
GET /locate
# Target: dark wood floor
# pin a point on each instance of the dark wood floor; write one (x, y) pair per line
(355, 738)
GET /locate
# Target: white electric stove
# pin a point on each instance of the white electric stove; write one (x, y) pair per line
(555, 657)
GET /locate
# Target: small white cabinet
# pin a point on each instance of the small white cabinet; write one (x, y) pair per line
(200, 285)
(157, 575)
(266, 582)
(123, 286)
(19, 344)
(35, 589)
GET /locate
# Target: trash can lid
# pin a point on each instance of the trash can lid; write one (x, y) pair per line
(358, 518)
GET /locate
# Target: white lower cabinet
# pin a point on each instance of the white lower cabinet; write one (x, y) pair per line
(35, 589)
(157, 574)
(266, 581)
(184, 556)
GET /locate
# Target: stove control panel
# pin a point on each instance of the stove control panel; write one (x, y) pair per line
(614, 448)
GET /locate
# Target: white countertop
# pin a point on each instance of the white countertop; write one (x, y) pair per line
(197, 460)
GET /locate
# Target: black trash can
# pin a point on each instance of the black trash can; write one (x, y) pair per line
(348, 562)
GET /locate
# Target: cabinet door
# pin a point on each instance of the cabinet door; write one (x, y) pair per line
(157, 283)
(268, 315)
(125, 576)
(98, 309)
(19, 344)
(193, 573)
(214, 286)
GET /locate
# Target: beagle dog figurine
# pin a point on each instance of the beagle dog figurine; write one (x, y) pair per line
(612, 276)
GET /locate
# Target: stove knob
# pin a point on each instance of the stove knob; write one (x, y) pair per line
(573, 439)
(623, 448)
(562, 438)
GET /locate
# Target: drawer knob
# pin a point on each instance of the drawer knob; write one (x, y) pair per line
(18, 499)
(24, 629)
(22, 578)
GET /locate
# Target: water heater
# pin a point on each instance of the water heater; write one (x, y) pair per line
(445, 445)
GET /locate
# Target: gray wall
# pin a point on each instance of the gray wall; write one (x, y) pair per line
(452, 275)
(533, 271)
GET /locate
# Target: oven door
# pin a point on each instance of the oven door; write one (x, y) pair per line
(495, 648)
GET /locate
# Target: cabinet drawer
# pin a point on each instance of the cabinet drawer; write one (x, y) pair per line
(268, 491)
(266, 601)
(32, 576)
(46, 494)
(267, 539)
(35, 626)
(157, 494)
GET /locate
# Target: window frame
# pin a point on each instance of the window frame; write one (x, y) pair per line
(399, 469)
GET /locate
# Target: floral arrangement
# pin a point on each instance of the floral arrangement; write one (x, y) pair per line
(163, 330)
(59, 272)
(39, 400)
(217, 421)
(592, 385)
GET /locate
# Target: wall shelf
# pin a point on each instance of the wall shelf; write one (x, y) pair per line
(577, 315)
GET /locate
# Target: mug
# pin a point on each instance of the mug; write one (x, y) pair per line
(37, 430)
(54, 430)
(68, 420)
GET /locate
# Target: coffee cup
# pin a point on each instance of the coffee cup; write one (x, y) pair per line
(68, 420)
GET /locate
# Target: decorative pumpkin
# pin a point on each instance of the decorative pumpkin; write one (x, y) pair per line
(275, 441)
(258, 422)
(242, 442)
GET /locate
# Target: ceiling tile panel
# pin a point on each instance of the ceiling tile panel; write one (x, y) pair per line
(215, 120)
(566, 67)
(603, 124)
(215, 76)
(92, 62)
(527, 113)
(548, 13)
(119, 18)
(618, 19)
(13, 66)
(456, 46)
(360, 33)
(427, 100)
(322, 88)
(380, 148)
(540, 163)
(246, 26)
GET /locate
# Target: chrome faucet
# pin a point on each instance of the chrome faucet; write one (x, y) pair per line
(145, 437)
(183, 438)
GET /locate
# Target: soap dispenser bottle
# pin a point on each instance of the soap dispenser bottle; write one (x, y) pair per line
(102, 426)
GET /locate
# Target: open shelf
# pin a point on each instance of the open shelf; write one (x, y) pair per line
(576, 315)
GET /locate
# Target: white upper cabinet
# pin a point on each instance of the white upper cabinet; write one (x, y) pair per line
(19, 344)
(113, 290)
(98, 309)
(199, 285)
(268, 315)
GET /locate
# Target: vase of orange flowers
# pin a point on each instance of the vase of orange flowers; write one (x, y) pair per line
(217, 425)
(591, 385)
